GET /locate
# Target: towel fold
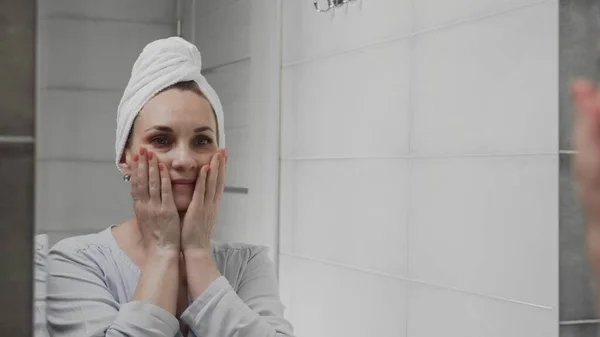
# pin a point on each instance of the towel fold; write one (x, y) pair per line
(161, 64)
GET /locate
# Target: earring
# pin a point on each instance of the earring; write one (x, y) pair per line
(127, 177)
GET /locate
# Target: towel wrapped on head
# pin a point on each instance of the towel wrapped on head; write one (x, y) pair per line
(161, 64)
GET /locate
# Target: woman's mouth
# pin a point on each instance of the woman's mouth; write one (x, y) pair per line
(183, 183)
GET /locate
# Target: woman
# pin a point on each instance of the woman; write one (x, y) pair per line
(139, 277)
(586, 98)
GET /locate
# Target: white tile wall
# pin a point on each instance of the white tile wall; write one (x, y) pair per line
(86, 52)
(307, 35)
(77, 195)
(95, 54)
(331, 301)
(207, 7)
(155, 11)
(54, 236)
(486, 225)
(348, 212)
(89, 116)
(223, 35)
(504, 54)
(439, 312)
(239, 152)
(435, 13)
(372, 100)
(232, 220)
(437, 167)
(232, 83)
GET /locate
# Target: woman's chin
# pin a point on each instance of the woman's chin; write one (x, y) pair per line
(182, 203)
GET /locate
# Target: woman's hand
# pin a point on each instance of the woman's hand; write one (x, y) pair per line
(586, 133)
(153, 204)
(201, 213)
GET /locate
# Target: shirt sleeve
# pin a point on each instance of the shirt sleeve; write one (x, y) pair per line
(79, 303)
(254, 311)
(40, 271)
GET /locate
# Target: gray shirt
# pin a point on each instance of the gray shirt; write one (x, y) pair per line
(91, 282)
(40, 260)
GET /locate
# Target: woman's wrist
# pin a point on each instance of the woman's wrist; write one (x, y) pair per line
(201, 270)
(164, 253)
(199, 259)
(203, 244)
(199, 252)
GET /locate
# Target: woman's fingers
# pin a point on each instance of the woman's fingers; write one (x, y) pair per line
(587, 130)
(211, 181)
(153, 179)
(200, 188)
(587, 144)
(585, 97)
(166, 194)
(142, 176)
(133, 177)
(221, 178)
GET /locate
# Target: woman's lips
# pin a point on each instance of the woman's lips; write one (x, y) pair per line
(183, 183)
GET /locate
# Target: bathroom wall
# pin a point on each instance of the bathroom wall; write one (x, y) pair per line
(419, 181)
(579, 56)
(86, 51)
(17, 150)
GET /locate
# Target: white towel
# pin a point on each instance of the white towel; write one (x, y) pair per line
(162, 63)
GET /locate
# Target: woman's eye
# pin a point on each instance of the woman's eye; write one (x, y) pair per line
(161, 141)
(203, 141)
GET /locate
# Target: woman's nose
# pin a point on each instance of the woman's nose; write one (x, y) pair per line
(183, 159)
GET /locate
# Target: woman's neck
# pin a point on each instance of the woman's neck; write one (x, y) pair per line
(129, 238)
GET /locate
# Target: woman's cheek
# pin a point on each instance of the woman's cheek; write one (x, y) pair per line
(204, 159)
(162, 158)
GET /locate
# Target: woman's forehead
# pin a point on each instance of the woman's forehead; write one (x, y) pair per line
(177, 107)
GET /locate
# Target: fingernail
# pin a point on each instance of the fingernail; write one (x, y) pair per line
(136, 157)
(142, 151)
(161, 166)
(150, 154)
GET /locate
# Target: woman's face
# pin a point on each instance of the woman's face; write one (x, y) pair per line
(179, 126)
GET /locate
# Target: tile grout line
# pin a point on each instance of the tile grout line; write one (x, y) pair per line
(280, 165)
(216, 68)
(425, 156)
(415, 281)
(409, 164)
(75, 17)
(74, 88)
(214, 10)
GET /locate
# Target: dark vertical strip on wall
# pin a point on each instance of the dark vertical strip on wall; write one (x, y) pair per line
(17, 118)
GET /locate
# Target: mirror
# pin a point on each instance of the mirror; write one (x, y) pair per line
(425, 191)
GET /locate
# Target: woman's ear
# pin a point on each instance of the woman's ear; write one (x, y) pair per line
(124, 163)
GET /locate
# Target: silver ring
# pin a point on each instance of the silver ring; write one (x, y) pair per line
(127, 177)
